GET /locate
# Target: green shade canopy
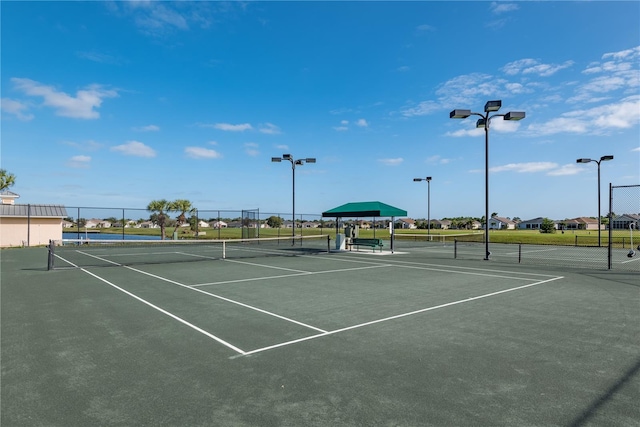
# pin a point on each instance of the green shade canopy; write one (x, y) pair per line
(364, 209)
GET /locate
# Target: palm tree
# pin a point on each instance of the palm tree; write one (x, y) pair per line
(183, 206)
(159, 207)
(6, 179)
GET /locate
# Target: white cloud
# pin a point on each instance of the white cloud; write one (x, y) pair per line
(422, 109)
(89, 145)
(341, 128)
(528, 167)
(532, 66)
(636, 149)
(502, 7)
(16, 108)
(362, 123)
(148, 128)
(403, 68)
(270, 129)
(135, 148)
(201, 153)
(251, 148)
(79, 162)
(621, 115)
(568, 169)
(233, 128)
(392, 162)
(82, 106)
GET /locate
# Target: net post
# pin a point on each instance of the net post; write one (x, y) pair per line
(328, 244)
(455, 248)
(50, 255)
(519, 253)
(224, 250)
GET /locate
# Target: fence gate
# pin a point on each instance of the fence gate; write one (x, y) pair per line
(624, 227)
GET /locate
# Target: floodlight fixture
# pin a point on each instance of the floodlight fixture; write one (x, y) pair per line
(428, 179)
(294, 163)
(602, 159)
(492, 106)
(459, 114)
(484, 122)
(514, 115)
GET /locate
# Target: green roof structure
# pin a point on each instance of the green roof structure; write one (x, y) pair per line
(364, 209)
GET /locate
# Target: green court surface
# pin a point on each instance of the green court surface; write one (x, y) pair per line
(351, 338)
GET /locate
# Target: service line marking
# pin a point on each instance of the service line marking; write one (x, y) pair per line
(398, 316)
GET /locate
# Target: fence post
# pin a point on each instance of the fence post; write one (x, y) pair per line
(609, 250)
(455, 248)
(519, 253)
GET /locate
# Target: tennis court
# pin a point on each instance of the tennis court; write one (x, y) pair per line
(316, 338)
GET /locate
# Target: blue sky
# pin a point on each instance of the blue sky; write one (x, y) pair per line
(115, 104)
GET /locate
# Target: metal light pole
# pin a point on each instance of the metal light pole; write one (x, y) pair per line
(602, 159)
(483, 122)
(294, 163)
(428, 179)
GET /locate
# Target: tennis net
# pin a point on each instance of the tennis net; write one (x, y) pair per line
(78, 253)
(421, 239)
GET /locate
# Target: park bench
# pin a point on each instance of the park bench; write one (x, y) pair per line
(373, 243)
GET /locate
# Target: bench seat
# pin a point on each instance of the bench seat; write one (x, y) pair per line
(373, 243)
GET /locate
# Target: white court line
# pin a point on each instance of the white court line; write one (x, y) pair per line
(411, 313)
(165, 312)
(446, 268)
(211, 295)
(306, 273)
(225, 299)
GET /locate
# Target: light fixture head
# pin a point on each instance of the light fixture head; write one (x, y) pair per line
(514, 115)
(606, 158)
(428, 178)
(276, 159)
(299, 162)
(583, 160)
(459, 114)
(481, 123)
(310, 160)
(286, 156)
(492, 106)
(417, 179)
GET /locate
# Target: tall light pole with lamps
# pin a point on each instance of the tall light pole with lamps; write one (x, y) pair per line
(428, 179)
(294, 163)
(602, 159)
(483, 122)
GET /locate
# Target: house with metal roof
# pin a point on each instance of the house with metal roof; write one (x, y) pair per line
(27, 224)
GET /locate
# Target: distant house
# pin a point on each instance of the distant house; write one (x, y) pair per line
(581, 223)
(532, 224)
(440, 224)
(218, 224)
(147, 224)
(406, 224)
(500, 223)
(28, 225)
(622, 222)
